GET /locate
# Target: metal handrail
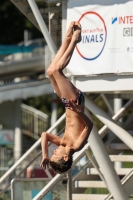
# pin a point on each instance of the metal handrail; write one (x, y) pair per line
(38, 112)
(35, 145)
(34, 121)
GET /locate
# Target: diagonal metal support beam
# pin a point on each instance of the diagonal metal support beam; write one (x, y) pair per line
(117, 116)
(94, 163)
(107, 103)
(42, 26)
(103, 116)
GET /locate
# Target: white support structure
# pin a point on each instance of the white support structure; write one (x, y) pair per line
(17, 132)
(116, 84)
(107, 83)
(107, 103)
(117, 116)
(69, 185)
(111, 179)
(78, 155)
(36, 144)
(54, 112)
(117, 106)
(48, 187)
(117, 130)
(94, 163)
(64, 18)
(42, 26)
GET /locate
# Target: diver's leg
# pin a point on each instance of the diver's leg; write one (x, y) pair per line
(67, 89)
(58, 56)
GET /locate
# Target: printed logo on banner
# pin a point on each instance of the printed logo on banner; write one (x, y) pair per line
(94, 35)
(114, 20)
(122, 20)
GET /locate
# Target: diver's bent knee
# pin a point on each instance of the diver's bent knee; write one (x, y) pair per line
(43, 133)
(49, 71)
(57, 68)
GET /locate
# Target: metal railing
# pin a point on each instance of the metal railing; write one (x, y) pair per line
(26, 160)
(34, 122)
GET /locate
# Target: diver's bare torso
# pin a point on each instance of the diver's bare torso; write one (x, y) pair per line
(74, 128)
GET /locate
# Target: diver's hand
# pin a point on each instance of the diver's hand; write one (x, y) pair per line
(74, 106)
(44, 162)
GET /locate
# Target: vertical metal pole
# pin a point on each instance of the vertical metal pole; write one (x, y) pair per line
(2, 157)
(49, 20)
(35, 131)
(64, 24)
(64, 18)
(26, 36)
(117, 107)
(69, 185)
(106, 166)
(17, 134)
(54, 113)
(42, 26)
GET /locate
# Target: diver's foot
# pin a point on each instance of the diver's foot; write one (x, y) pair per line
(77, 32)
(70, 30)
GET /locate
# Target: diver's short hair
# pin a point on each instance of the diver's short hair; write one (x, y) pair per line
(61, 165)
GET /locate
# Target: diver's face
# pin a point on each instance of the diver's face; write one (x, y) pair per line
(59, 153)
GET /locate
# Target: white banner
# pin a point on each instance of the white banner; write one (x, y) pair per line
(107, 37)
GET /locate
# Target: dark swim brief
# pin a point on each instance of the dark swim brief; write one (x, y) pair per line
(80, 99)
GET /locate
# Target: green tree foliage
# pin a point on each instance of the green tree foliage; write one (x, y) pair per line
(13, 23)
